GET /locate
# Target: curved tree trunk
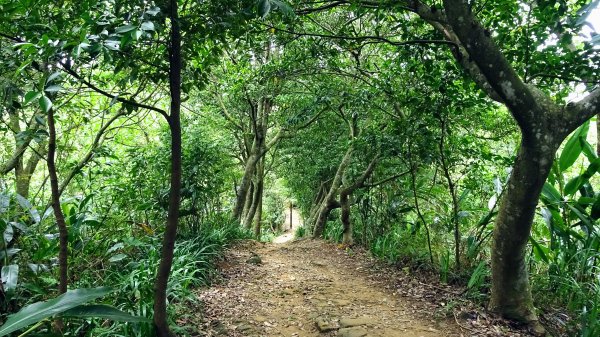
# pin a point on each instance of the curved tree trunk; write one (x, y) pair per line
(511, 293)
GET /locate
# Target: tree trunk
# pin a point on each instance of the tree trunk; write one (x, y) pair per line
(511, 293)
(322, 215)
(249, 170)
(247, 221)
(452, 189)
(328, 202)
(260, 189)
(166, 261)
(347, 238)
(248, 202)
(63, 234)
(23, 173)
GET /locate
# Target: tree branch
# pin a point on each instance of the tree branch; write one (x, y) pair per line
(493, 65)
(109, 95)
(583, 110)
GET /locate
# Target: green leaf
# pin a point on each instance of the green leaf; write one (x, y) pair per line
(538, 250)
(550, 194)
(53, 88)
(31, 96)
(573, 148)
(574, 184)
(588, 150)
(264, 7)
(36, 312)
(79, 48)
(117, 258)
(45, 103)
(102, 311)
(148, 25)
(136, 34)
(153, 11)
(40, 120)
(53, 76)
(124, 29)
(285, 8)
(10, 276)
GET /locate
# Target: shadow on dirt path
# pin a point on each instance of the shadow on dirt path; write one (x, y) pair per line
(310, 288)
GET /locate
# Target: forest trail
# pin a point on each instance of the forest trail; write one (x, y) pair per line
(302, 284)
(293, 220)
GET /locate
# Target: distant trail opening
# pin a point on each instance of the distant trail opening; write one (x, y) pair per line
(293, 220)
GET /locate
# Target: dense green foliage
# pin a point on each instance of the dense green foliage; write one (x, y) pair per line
(380, 121)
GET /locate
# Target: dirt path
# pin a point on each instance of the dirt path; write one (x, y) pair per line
(301, 285)
(293, 220)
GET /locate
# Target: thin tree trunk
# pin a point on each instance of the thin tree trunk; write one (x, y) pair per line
(260, 186)
(63, 234)
(452, 189)
(347, 235)
(166, 261)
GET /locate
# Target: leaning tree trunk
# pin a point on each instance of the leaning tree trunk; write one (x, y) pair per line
(243, 191)
(248, 202)
(323, 214)
(168, 246)
(511, 293)
(329, 203)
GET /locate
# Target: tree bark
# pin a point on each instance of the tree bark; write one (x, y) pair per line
(329, 202)
(248, 202)
(511, 293)
(347, 235)
(249, 170)
(248, 219)
(174, 119)
(260, 186)
(63, 234)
